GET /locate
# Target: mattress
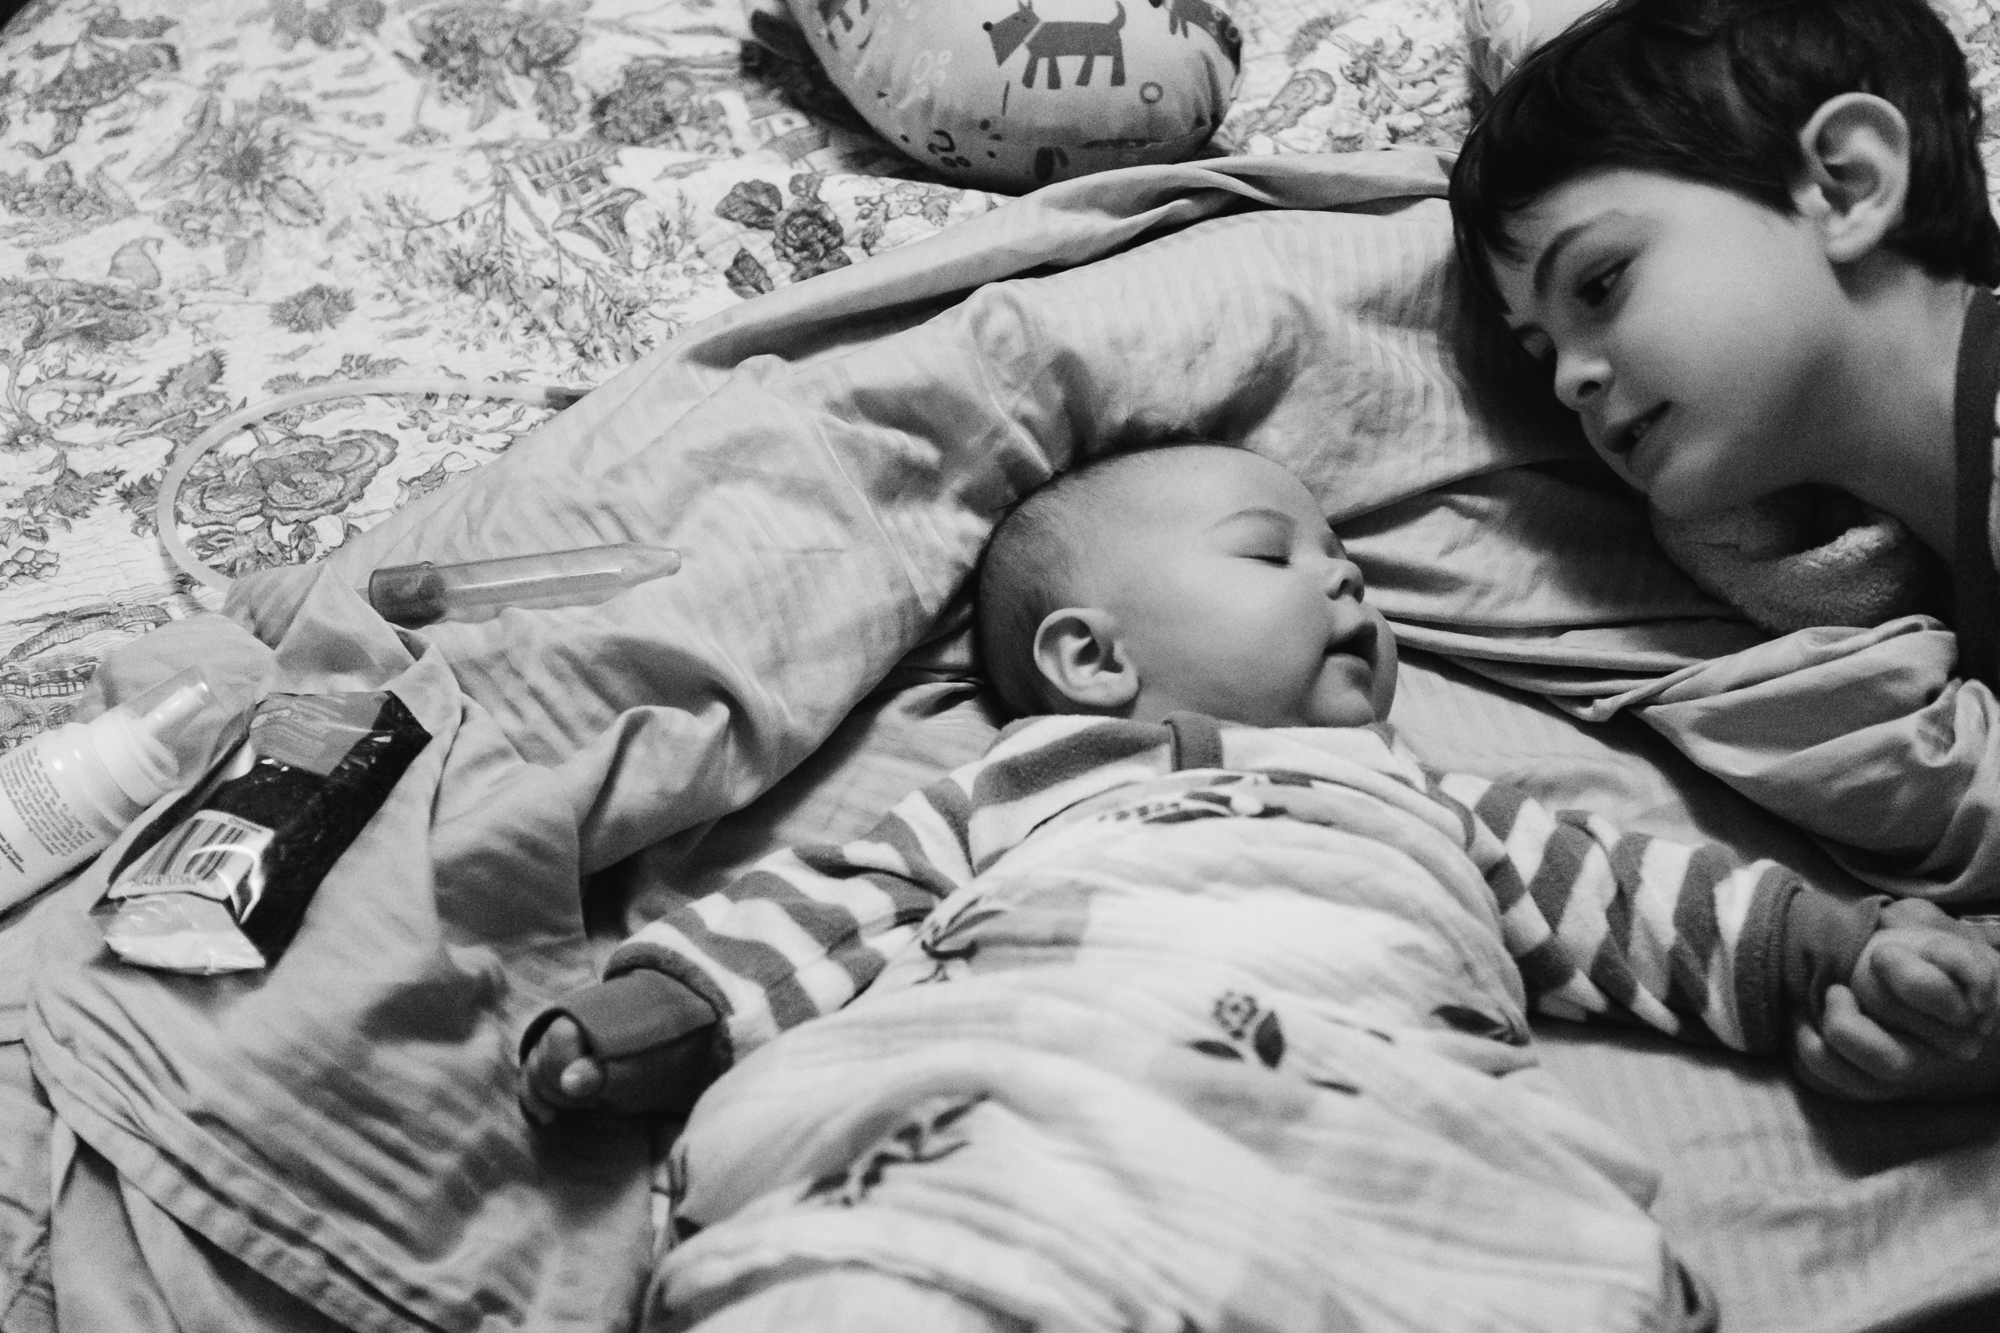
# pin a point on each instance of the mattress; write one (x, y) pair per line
(204, 209)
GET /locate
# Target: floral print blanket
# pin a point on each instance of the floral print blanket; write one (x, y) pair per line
(205, 206)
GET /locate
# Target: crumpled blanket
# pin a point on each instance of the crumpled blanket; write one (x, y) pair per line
(1160, 1076)
(1807, 556)
(829, 460)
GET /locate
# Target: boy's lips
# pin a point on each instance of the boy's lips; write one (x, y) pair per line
(1624, 437)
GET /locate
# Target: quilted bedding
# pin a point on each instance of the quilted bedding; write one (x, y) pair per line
(206, 209)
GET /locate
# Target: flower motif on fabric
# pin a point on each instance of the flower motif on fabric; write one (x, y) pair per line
(1247, 1023)
(238, 167)
(326, 26)
(259, 508)
(805, 235)
(658, 104)
(473, 54)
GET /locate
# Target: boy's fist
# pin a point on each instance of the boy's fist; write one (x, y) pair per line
(1918, 1017)
(640, 1042)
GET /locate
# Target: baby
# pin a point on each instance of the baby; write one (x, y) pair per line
(1205, 845)
(1752, 242)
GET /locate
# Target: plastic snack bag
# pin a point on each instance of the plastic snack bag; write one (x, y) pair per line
(220, 880)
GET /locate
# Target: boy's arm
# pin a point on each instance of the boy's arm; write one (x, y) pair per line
(1687, 940)
(798, 935)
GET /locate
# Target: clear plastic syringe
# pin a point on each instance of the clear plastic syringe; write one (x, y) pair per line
(414, 595)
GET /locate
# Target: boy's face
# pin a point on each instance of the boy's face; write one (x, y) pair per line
(1693, 330)
(1234, 598)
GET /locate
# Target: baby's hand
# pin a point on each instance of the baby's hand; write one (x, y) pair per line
(639, 1042)
(559, 1074)
(1917, 1018)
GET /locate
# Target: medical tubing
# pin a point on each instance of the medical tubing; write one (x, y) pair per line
(545, 395)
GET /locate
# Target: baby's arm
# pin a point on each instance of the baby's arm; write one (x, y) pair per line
(1917, 1017)
(1691, 939)
(798, 935)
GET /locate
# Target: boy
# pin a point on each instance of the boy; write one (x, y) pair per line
(1752, 240)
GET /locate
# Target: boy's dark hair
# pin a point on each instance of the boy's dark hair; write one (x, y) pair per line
(1716, 91)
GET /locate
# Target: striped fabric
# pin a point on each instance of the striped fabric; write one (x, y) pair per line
(1600, 922)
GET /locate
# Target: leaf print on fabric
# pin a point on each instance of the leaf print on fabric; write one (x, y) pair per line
(541, 259)
(1479, 1024)
(98, 70)
(951, 937)
(38, 313)
(180, 395)
(56, 205)
(313, 310)
(931, 1136)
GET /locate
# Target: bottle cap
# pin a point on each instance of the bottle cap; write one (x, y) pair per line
(168, 730)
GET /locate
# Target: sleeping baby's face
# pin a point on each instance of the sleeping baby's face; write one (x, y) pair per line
(1233, 597)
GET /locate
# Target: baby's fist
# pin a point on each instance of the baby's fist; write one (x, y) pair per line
(558, 1074)
(638, 1043)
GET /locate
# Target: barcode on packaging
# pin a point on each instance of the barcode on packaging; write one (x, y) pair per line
(213, 854)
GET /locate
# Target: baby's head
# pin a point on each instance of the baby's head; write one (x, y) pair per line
(1194, 577)
(1678, 203)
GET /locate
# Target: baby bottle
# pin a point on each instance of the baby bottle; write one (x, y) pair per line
(68, 792)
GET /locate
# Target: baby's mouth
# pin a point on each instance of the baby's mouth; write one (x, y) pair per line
(1626, 438)
(1357, 642)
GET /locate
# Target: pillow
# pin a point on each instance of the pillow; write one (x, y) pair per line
(1013, 94)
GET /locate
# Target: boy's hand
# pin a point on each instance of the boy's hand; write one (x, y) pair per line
(1918, 1017)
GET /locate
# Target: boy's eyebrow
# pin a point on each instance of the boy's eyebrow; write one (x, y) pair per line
(1545, 262)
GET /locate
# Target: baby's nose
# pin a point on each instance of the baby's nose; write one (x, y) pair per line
(1344, 580)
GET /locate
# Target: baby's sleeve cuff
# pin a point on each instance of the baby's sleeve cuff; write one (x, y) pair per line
(631, 1014)
(1802, 942)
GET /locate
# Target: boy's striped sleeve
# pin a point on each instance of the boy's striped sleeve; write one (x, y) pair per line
(1689, 940)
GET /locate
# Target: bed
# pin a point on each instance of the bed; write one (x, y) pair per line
(207, 209)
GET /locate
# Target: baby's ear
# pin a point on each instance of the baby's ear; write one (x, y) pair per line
(1856, 179)
(1077, 651)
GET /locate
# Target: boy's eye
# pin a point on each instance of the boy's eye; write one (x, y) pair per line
(1280, 560)
(1594, 290)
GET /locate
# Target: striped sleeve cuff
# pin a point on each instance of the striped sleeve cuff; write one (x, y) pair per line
(1797, 942)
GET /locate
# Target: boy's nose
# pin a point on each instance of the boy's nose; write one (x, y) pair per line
(1581, 377)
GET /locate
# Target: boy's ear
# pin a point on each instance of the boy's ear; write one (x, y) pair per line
(1856, 150)
(1077, 651)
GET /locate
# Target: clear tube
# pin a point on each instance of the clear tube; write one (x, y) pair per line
(164, 516)
(415, 595)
